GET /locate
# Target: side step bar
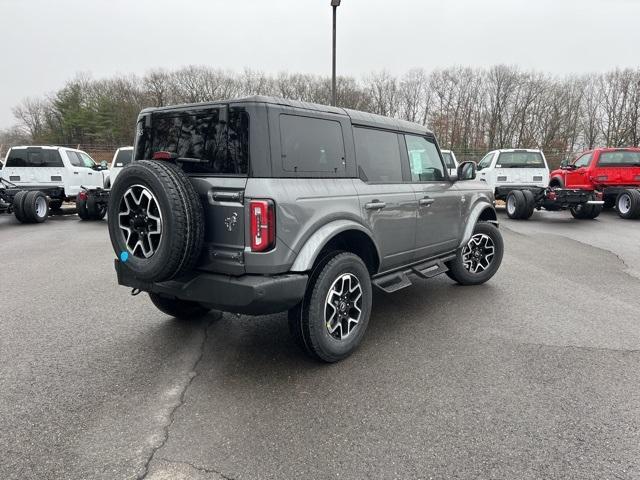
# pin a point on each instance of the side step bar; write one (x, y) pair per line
(392, 282)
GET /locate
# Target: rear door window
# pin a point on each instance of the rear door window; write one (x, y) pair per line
(378, 155)
(75, 159)
(311, 145)
(202, 141)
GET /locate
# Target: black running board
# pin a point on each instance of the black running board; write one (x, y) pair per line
(392, 282)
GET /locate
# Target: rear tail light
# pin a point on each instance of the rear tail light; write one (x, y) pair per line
(162, 155)
(82, 195)
(263, 225)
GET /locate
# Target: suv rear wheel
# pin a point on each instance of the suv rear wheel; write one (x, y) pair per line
(480, 258)
(334, 314)
(182, 309)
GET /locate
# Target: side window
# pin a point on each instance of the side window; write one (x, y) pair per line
(74, 158)
(426, 165)
(584, 160)
(486, 161)
(378, 155)
(311, 145)
(87, 161)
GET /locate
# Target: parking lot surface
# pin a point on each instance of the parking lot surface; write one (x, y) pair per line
(533, 375)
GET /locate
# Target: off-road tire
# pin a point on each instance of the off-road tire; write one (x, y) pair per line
(519, 205)
(530, 200)
(95, 209)
(633, 197)
(307, 321)
(18, 206)
(460, 274)
(182, 309)
(81, 207)
(30, 207)
(182, 220)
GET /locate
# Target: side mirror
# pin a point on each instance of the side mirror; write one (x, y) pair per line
(103, 164)
(467, 171)
(564, 163)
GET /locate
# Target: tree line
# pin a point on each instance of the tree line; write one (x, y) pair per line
(470, 109)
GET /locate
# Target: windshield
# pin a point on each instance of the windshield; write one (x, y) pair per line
(206, 142)
(448, 160)
(123, 158)
(520, 160)
(619, 159)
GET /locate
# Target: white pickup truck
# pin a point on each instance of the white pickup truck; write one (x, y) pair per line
(60, 174)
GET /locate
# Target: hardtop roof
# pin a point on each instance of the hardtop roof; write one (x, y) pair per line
(357, 117)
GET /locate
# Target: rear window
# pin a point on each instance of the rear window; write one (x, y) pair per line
(123, 158)
(34, 157)
(203, 141)
(311, 145)
(619, 159)
(448, 160)
(378, 155)
(520, 160)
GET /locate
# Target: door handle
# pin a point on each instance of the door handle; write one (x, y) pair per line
(425, 202)
(375, 205)
(76, 173)
(90, 173)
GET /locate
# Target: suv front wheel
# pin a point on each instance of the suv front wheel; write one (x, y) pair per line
(333, 317)
(480, 258)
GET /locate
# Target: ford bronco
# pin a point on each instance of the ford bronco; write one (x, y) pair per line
(263, 205)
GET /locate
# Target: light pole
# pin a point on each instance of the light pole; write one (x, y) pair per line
(335, 4)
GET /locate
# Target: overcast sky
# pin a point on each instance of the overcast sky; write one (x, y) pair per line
(45, 42)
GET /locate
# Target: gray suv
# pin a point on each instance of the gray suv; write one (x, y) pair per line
(263, 205)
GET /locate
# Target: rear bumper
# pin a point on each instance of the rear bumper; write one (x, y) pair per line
(247, 294)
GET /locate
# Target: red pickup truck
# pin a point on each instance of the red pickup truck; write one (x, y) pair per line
(615, 172)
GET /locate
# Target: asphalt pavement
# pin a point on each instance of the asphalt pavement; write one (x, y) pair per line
(535, 374)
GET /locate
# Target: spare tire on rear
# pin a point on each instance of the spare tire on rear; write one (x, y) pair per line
(156, 220)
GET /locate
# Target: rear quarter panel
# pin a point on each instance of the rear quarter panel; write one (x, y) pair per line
(302, 207)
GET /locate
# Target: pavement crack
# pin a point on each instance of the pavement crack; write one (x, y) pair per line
(165, 429)
(208, 470)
